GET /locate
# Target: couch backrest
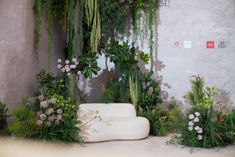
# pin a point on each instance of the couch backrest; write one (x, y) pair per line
(110, 109)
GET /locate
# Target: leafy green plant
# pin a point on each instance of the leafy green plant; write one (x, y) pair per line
(57, 119)
(163, 121)
(203, 126)
(133, 90)
(24, 124)
(3, 117)
(150, 95)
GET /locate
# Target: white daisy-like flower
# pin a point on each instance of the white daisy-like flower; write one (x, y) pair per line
(43, 116)
(67, 62)
(199, 131)
(74, 60)
(48, 123)
(190, 128)
(197, 114)
(79, 73)
(197, 128)
(199, 137)
(67, 69)
(73, 66)
(191, 116)
(190, 123)
(43, 104)
(59, 66)
(59, 111)
(59, 61)
(68, 74)
(196, 119)
(76, 63)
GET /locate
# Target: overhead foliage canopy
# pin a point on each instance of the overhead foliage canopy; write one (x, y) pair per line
(90, 24)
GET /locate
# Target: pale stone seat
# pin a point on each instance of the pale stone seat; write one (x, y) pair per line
(118, 122)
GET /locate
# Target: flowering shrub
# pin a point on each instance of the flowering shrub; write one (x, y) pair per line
(205, 126)
(57, 119)
(86, 65)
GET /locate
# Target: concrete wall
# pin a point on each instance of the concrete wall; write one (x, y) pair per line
(197, 21)
(17, 60)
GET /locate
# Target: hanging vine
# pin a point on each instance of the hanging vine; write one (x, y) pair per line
(103, 20)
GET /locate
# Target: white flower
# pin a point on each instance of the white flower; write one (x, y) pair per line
(74, 60)
(57, 122)
(43, 104)
(197, 114)
(40, 97)
(191, 116)
(59, 61)
(79, 73)
(68, 74)
(59, 117)
(73, 66)
(199, 137)
(76, 63)
(190, 123)
(53, 100)
(197, 128)
(48, 124)
(67, 69)
(39, 122)
(196, 119)
(63, 69)
(50, 111)
(199, 131)
(43, 116)
(67, 62)
(59, 66)
(51, 118)
(190, 128)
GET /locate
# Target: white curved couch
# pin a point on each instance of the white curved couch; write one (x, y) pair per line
(117, 121)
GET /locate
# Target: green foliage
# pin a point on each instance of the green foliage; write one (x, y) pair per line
(133, 84)
(50, 85)
(24, 124)
(150, 95)
(123, 56)
(163, 121)
(57, 119)
(205, 127)
(116, 92)
(3, 117)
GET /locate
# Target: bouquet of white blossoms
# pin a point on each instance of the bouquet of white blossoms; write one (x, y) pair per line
(193, 124)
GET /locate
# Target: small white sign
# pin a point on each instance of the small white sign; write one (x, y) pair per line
(188, 44)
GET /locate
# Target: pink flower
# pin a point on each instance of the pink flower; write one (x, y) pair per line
(53, 100)
(59, 117)
(57, 122)
(50, 111)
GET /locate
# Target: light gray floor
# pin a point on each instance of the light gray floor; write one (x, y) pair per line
(150, 147)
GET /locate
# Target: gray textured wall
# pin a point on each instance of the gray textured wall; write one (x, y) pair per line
(17, 61)
(198, 21)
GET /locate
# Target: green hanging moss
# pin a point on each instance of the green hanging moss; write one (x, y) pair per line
(93, 21)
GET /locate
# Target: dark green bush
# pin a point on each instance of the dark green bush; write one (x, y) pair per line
(3, 118)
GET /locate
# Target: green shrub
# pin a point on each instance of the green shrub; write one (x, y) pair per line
(57, 119)
(203, 126)
(24, 124)
(3, 117)
(163, 121)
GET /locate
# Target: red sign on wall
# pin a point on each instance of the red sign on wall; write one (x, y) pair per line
(210, 44)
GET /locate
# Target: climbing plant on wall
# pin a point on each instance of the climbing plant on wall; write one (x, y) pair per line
(90, 24)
